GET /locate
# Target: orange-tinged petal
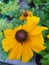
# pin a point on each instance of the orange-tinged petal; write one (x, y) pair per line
(37, 30)
(13, 52)
(8, 43)
(19, 52)
(22, 17)
(27, 54)
(30, 13)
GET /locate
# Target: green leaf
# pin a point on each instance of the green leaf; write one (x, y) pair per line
(46, 56)
(5, 25)
(28, 1)
(3, 55)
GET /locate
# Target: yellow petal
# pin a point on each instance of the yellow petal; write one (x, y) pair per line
(36, 43)
(28, 26)
(22, 17)
(8, 33)
(31, 23)
(26, 54)
(33, 19)
(37, 39)
(37, 30)
(8, 43)
(11, 33)
(37, 47)
(16, 29)
(48, 36)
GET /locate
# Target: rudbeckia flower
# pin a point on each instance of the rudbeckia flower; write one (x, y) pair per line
(25, 15)
(48, 36)
(23, 41)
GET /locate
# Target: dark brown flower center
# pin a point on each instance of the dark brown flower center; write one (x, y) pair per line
(21, 35)
(25, 14)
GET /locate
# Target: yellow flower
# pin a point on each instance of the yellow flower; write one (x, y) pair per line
(23, 41)
(48, 36)
(25, 15)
